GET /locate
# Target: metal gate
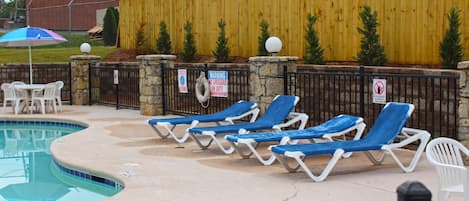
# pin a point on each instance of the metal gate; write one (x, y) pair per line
(122, 94)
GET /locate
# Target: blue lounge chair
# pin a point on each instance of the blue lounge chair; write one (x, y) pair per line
(337, 126)
(236, 111)
(389, 124)
(278, 111)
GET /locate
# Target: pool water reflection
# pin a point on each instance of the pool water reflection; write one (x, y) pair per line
(27, 169)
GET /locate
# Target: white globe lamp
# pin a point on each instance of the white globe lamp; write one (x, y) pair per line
(273, 45)
(85, 48)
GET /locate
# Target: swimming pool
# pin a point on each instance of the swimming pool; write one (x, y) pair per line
(28, 171)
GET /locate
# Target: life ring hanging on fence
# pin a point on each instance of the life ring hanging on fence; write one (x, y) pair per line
(202, 84)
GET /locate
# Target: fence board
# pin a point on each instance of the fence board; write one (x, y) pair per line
(410, 30)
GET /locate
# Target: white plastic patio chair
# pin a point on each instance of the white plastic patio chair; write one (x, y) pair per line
(445, 155)
(45, 97)
(58, 93)
(9, 95)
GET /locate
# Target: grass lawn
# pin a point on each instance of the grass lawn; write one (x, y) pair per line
(55, 53)
(49, 54)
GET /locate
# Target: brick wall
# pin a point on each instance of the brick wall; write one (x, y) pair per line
(53, 14)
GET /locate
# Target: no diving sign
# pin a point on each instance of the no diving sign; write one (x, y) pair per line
(379, 91)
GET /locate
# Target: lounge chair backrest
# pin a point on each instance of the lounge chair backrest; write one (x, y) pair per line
(389, 123)
(336, 124)
(237, 109)
(279, 109)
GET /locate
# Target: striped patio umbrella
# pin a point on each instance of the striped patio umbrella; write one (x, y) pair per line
(28, 37)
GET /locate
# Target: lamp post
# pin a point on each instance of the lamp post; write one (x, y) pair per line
(273, 45)
(85, 48)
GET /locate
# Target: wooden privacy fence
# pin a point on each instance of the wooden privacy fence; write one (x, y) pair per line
(410, 30)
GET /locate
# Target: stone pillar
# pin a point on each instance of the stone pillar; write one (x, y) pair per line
(151, 94)
(80, 78)
(463, 110)
(266, 75)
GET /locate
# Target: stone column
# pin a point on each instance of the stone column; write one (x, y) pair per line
(266, 75)
(151, 94)
(463, 110)
(80, 78)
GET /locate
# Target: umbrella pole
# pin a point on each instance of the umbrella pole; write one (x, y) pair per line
(30, 66)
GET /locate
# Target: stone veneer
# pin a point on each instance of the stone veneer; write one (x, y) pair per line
(80, 78)
(463, 113)
(151, 95)
(267, 79)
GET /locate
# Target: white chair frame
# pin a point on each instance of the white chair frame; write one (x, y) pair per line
(43, 96)
(411, 135)
(446, 155)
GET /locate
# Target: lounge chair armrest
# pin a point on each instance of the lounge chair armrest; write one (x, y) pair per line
(412, 135)
(293, 118)
(254, 112)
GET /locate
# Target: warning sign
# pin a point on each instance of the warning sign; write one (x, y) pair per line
(116, 76)
(182, 80)
(218, 81)
(379, 91)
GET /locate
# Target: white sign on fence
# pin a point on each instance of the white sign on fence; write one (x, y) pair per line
(218, 81)
(379, 91)
(182, 80)
(116, 76)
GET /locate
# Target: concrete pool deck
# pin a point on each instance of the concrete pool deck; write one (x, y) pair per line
(119, 144)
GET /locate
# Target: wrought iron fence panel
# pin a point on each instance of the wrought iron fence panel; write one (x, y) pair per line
(326, 94)
(125, 94)
(42, 73)
(187, 103)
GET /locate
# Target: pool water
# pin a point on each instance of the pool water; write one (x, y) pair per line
(28, 171)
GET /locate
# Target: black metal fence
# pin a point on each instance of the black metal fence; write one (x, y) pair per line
(42, 73)
(187, 103)
(125, 94)
(326, 94)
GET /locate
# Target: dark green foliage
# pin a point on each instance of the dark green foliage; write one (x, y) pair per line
(261, 51)
(111, 21)
(313, 51)
(222, 52)
(451, 50)
(371, 51)
(189, 50)
(141, 45)
(163, 42)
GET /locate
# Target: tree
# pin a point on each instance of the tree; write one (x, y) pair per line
(163, 42)
(313, 51)
(261, 51)
(371, 51)
(141, 44)
(451, 50)
(222, 52)
(110, 26)
(189, 50)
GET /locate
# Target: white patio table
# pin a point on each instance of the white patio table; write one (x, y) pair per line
(29, 88)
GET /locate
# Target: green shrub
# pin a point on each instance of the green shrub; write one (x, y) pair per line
(261, 51)
(371, 51)
(111, 21)
(141, 45)
(451, 50)
(222, 52)
(313, 51)
(189, 50)
(163, 42)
